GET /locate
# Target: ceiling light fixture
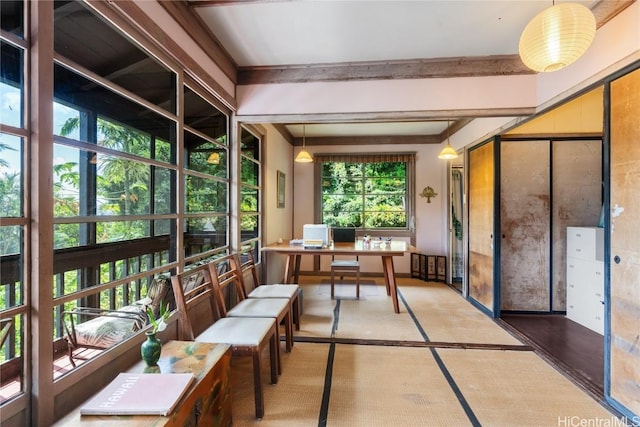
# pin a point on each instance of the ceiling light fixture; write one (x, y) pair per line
(448, 152)
(557, 37)
(303, 156)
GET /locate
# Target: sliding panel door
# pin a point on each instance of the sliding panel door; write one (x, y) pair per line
(624, 298)
(577, 201)
(525, 225)
(481, 201)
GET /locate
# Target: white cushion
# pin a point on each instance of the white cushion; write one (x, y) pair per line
(274, 291)
(237, 331)
(260, 307)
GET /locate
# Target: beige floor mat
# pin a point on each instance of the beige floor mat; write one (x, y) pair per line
(509, 388)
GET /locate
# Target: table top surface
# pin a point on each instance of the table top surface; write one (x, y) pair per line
(176, 357)
(395, 248)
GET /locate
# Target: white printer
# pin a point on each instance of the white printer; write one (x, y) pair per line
(315, 236)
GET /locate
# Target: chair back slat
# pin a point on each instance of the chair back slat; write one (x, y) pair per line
(248, 266)
(193, 288)
(226, 277)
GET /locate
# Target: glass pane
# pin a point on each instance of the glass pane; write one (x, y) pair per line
(249, 200)
(121, 230)
(205, 156)
(11, 83)
(341, 185)
(385, 185)
(12, 269)
(124, 125)
(10, 176)
(163, 227)
(12, 13)
(204, 234)
(341, 169)
(385, 219)
(11, 359)
(121, 188)
(91, 42)
(10, 244)
(164, 151)
(384, 202)
(342, 203)
(250, 172)
(66, 235)
(200, 115)
(249, 226)
(206, 195)
(162, 184)
(342, 219)
(394, 169)
(66, 121)
(249, 145)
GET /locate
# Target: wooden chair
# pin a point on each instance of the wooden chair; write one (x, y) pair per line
(196, 298)
(342, 266)
(229, 282)
(292, 292)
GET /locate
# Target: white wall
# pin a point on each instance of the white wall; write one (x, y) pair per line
(277, 221)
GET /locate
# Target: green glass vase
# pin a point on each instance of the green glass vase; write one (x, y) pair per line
(150, 349)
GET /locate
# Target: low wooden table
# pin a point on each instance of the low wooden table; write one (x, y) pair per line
(207, 403)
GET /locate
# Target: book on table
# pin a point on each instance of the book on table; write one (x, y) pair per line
(139, 394)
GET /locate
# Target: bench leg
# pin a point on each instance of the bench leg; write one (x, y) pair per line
(257, 383)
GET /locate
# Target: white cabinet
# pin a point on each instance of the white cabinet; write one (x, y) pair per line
(585, 277)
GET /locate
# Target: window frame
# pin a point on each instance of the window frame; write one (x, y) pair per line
(406, 157)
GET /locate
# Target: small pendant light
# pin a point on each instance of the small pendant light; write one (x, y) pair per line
(303, 156)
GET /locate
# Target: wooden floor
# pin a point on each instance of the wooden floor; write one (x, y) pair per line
(576, 349)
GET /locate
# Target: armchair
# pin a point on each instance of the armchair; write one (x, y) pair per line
(96, 328)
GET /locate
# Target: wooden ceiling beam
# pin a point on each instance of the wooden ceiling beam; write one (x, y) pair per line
(497, 65)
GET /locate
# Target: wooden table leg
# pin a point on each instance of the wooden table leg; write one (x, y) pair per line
(296, 270)
(292, 269)
(390, 281)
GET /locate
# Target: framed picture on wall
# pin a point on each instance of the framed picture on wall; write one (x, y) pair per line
(281, 181)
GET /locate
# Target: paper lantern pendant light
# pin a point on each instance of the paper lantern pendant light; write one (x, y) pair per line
(557, 37)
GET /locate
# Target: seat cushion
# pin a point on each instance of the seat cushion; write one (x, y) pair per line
(344, 263)
(238, 331)
(274, 291)
(259, 307)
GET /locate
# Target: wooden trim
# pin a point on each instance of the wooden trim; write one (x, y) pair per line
(605, 10)
(497, 65)
(369, 140)
(127, 14)
(193, 25)
(373, 117)
(38, 379)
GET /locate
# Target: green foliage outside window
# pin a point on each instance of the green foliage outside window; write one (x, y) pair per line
(364, 195)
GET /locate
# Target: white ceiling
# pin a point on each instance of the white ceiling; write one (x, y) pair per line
(284, 33)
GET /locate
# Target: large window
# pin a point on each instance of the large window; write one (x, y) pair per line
(250, 191)
(13, 216)
(366, 191)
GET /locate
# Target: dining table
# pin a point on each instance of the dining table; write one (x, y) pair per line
(384, 249)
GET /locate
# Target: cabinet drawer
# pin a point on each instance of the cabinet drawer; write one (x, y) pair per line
(585, 243)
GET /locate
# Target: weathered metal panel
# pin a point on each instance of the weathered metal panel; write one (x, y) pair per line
(577, 201)
(625, 235)
(481, 198)
(525, 225)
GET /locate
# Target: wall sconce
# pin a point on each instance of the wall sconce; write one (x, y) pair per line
(94, 159)
(214, 158)
(557, 37)
(303, 156)
(428, 192)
